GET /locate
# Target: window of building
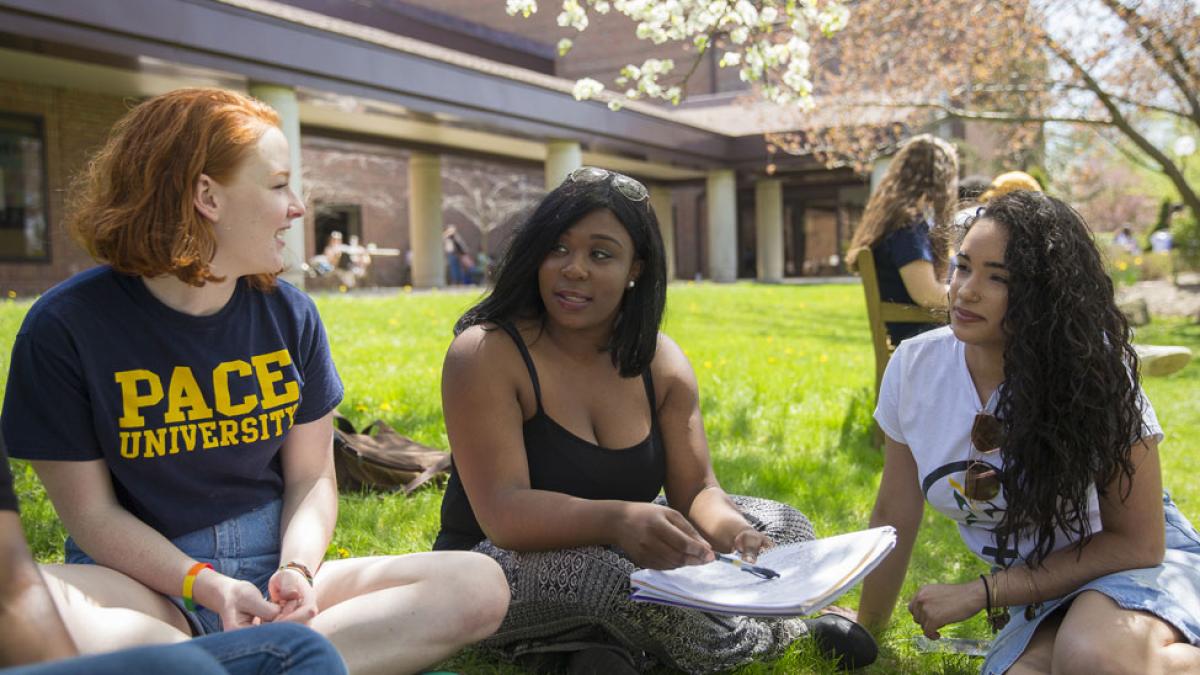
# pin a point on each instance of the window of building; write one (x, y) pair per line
(23, 232)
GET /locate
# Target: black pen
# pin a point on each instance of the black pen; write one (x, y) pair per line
(744, 566)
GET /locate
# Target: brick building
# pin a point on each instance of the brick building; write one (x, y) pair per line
(406, 117)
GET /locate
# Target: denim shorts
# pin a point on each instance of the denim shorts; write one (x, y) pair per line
(244, 547)
(1170, 591)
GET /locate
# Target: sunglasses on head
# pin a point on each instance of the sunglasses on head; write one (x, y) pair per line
(628, 187)
(982, 478)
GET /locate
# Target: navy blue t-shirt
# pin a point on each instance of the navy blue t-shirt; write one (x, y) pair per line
(899, 248)
(188, 412)
(8, 498)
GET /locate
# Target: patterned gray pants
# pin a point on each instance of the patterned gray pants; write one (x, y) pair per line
(571, 599)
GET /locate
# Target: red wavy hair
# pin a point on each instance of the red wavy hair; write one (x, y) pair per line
(133, 208)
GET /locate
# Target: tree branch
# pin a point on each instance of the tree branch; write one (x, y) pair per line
(1120, 122)
(1052, 86)
(1139, 27)
(962, 113)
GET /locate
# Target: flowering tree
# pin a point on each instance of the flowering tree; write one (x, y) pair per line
(1125, 69)
(766, 40)
(1128, 70)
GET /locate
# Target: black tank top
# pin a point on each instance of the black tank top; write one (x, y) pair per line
(560, 461)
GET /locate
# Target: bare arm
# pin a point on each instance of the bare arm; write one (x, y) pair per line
(82, 493)
(1132, 538)
(310, 509)
(923, 285)
(692, 487)
(484, 424)
(33, 631)
(900, 504)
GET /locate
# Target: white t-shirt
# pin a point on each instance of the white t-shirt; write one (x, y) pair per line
(928, 402)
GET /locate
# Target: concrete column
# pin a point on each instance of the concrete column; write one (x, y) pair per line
(283, 100)
(768, 220)
(722, 225)
(660, 200)
(562, 157)
(425, 220)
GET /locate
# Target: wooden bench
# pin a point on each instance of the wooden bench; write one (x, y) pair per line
(880, 313)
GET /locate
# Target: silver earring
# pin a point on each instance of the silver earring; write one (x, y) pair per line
(631, 283)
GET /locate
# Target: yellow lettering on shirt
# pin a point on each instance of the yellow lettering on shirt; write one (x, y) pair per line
(191, 421)
(155, 442)
(188, 431)
(207, 434)
(268, 378)
(131, 401)
(277, 417)
(249, 430)
(126, 451)
(229, 429)
(221, 376)
(184, 392)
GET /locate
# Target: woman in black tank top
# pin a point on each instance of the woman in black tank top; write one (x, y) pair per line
(567, 413)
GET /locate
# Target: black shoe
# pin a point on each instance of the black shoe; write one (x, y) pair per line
(840, 639)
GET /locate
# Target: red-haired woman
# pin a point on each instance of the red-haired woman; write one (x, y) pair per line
(176, 403)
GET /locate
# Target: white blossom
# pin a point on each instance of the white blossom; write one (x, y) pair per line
(587, 88)
(564, 46)
(523, 7)
(767, 40)
(573, 15)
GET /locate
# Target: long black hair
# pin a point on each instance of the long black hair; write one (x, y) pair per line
(515, 295)
(1070, 400)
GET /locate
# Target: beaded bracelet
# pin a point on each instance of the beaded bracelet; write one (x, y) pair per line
(189, 582)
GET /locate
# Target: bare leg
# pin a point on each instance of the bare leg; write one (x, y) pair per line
(1098, 637)
(1036, 659)
(105, 610)
(397, 614)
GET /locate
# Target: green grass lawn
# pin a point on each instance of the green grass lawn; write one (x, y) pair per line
(785, 380)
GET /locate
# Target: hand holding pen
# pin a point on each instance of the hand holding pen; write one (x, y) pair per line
(761, 572)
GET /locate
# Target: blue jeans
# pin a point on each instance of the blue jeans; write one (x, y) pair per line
(273, 649)
(244, 547)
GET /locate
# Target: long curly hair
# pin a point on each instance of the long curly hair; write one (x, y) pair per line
(1070, 401)
(923, 175)
(132, 208)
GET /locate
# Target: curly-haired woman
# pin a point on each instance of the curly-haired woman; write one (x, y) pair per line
(1023, 421)
(177, 404)
(906, 226)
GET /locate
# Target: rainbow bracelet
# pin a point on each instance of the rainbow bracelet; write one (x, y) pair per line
(189, 581)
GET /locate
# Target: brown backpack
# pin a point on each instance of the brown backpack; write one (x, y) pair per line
(379, 458)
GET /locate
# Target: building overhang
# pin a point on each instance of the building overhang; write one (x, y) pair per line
(490, 114)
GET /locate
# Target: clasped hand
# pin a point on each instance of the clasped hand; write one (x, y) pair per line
(297, 600)
(240, 604)
(936, 605)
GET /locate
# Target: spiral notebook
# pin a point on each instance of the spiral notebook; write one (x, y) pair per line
(812, 574)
